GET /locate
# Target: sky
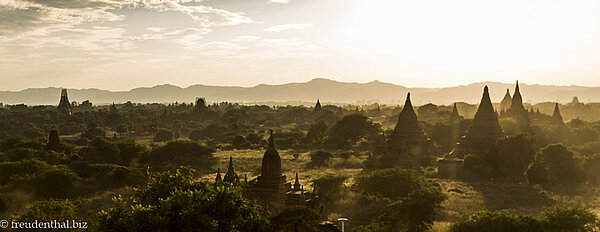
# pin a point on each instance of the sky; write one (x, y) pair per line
(124, 44)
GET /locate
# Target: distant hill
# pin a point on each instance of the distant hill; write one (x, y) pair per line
(328, 91)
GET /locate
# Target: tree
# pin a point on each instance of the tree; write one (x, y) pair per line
(181, 153)
(175, 202)
(487, 221)
(555, 164)
(319, 158)
(349, 130)
(409, 204)
(316, 134)
(239, 142)
(512, 156)
(329, 188)
(570, 218)
(298, 218)
(102, 151)
(163, 136)
(48, 210)
(196, 135)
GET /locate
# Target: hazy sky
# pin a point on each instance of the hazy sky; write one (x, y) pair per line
(123, 44)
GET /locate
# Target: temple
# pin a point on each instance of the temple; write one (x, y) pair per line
(53, 141)
(64, 106)
(455, 116)
(556, 116)
(480, 137)
(231, 176)
(518, 112)
(408, 139)
(506, 102)
(270, 190)
(484, 129)
(318, 106)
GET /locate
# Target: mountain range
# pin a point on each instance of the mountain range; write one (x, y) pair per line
(328, 91)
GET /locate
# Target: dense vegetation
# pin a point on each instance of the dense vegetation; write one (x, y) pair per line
(108, 151)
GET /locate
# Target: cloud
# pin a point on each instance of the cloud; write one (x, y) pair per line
(280, 1)
(19, 16)
(245, 38)
(205, 15)
(285, 27)
(156, 29)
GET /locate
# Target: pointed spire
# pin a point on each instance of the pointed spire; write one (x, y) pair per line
(318, 105)
(271, 161)
(517, 100)
(408, 127)
(455, 116)
(506, 101)
(218, 179)
(556, 116)
(297, 183)
(485, 123)
(271, 139)
(231, 176)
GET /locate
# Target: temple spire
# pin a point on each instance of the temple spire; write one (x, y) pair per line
(517, 100)
(556, 116)
(318, 105)
(218, 179)
(455, 116)
(271, 139)
(407, 118)
(506, 101)
(64, 106)
(231, 176)
(297, 183)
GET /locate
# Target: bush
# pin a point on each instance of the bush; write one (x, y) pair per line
(11, 170)
(409, 204)
(557, 219)
(175, 202)
(319, 158)
(554, 164)
(296, 218)
(54, 183)
(487, 221)
(163, 136)
(181, 153)
(196, 135)
(49, 210)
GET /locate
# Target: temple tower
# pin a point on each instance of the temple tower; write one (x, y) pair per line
(231, 176)
(318, 106)
(518, 112)
(484, 129)
(556, 116)
(408, 140)
(455, 116)
(269, 189)
(506, 101)
(64, 106)
(218, 179)
(53, 141)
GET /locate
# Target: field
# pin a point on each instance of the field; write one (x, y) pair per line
(464, 198)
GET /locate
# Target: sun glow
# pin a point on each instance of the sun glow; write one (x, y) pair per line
(475, 36)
